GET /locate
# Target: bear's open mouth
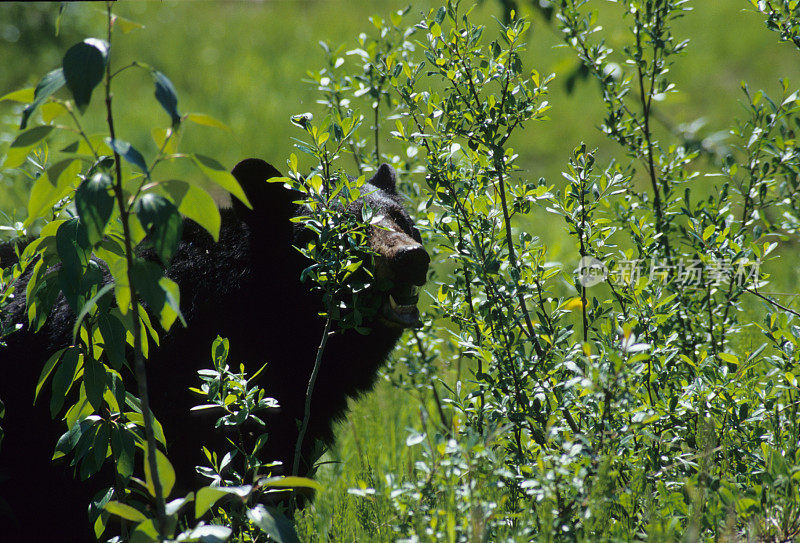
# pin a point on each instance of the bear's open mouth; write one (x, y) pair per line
(400, 306)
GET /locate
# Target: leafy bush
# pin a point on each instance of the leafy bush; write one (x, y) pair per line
(651, 393)
(101, 217)
(660, 404)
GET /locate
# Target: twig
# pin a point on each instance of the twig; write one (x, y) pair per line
(140, 370)
(772, 302)
(436, 398)
(309, 393)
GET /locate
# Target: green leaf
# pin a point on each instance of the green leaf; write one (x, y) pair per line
(97, 505)
(206, 497)
(53, 110)
(113, 334)
(162, 222)
(166, 139)
(219, 351)
(166, 473)
(69, 440)
(160, 293)
(80, 410)
(196, 204)
(115, 394)
(48, 368)
(125, 511)
(222, 177)
(275, 525)
(209, 495)
(206, 120)
(123, 447)
(50, 83)
(94, 379)
(145, 532)
(97, 451)
(129, 153)
(166, 96)
(25, 96)
(40, 298)
(87, 307)
(63, 378)
(61, 9)
(84, 446)
(22, 145)
(84, 65)
(50, 187)
(76, 290)
(729, 358)
(290, 482)
(73, 249)
(126, 25)
(172, 308)
(118, 267)
(396, 17)
(95, 204)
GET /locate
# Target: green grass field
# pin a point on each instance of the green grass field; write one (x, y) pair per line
(245, 64)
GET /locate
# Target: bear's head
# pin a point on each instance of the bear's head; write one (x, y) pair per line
(400, 263)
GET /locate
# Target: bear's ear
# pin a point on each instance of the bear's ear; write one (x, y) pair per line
(270, 201)
(385, 179)
(252, 174)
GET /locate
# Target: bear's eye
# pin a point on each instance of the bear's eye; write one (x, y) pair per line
(405, 223)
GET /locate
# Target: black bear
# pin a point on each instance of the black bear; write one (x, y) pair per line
(247, 288)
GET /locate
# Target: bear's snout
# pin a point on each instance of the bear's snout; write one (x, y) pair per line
(411, 264)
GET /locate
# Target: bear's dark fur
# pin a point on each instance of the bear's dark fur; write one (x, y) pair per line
(245, 288)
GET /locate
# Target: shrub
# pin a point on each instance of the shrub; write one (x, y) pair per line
(649, 393)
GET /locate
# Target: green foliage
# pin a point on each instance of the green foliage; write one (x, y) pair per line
(100, 215)
(624, 411)
(782, 17)
(240, 474)
(88, 202)
(336, 242)
(334, 239)
(651, 393)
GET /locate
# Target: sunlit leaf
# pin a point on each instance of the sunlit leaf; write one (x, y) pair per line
(25, 96)
(275, 525)
(222, 177)
(49, 84)
(50, 187)
(196, 204)
(166, 474)
(22, 145)
(206, 120)
(125, 511)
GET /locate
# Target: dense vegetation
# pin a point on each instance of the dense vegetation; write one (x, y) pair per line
(607, 356)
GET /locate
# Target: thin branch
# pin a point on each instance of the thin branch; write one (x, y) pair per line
(772, 302)
(309, 393)
(140, 370)
(436, 399)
